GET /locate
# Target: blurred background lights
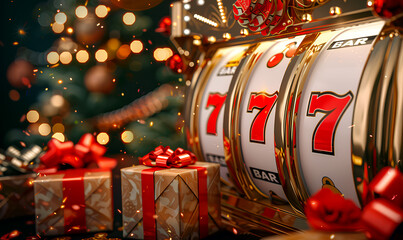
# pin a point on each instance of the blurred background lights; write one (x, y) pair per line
(127, 136)
(61, 18)
(44, 129)
(59, 136)
(14, 95)
(162, 54)
(82, 56)
(32, 116)
(66, 57)
(52, 57)
(81, 11)
(136, 46)
(58, 127)
(57, 100)
(101, 11)
(57, 27)
(70, 30)
(129, 18)
(103, 138)
(123, 52)
(101, 55)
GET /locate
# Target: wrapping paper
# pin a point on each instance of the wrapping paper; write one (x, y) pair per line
(16, 196)
(176, 201)
(58, 207)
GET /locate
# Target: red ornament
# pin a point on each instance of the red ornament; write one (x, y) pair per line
(276, 59)
(388, 8)
(164, 26)
(175, 63)
(20, 74)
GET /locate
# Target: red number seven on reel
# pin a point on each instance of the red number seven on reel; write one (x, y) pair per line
(265, 103)
(216, 100)
(333, 106)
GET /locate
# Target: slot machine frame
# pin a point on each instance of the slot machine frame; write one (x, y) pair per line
(245, 209)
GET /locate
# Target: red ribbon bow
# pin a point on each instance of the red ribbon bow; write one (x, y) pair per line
(165, 157)
(381, 218)
(85, 152)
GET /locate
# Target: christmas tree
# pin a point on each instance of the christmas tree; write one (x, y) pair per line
(95, 66)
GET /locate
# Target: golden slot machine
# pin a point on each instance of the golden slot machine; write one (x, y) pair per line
(290, 97)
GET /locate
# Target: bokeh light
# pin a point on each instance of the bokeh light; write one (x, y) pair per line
(101, 11)
(113, 44)
(61, 18)
(162, 54)
(44, 129)
(123, 52)
(101, 55)
(52, 57)
(103, 138)
(57, 100)
(81, 11)
(129, 18)
(32, 116)
(82, 56)
(136, 46)
(14, 95)
(127, 136)
(59, 136)
(70, 30)
(66, 57)
(57, 28)
(58, 127)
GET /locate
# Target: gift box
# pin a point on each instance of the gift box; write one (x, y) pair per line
(171, 203)
(74, 201)
(16, 196)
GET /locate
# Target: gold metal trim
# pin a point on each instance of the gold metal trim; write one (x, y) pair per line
(286, 117)
(377, 119)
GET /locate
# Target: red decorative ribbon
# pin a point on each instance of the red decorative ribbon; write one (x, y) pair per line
(380, 218)
(165, 157)
(84, 153)
(74, 201)
(162, 158)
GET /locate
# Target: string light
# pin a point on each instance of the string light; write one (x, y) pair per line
(103, 138)
(81, 11)
(57, 28)
(66, 57)
(32, 116)
(61, 18)
(222, 11)
(162, 54)
(127, 136)
(205, 20)
(136, 46)
(52, 57)
(82, 56)
(129, 18)
(44, 129)
(59, 136)
(101, 55)
(101, 11)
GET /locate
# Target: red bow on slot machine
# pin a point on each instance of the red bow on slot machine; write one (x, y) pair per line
(381, 218)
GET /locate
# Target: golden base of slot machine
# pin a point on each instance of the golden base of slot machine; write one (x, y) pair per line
(289, 97)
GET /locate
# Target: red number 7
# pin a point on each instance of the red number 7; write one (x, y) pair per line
(333, 106)
(217, 101)
(265, 103)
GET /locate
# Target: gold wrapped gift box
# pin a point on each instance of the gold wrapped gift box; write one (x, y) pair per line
(176, 201)
(74, 201)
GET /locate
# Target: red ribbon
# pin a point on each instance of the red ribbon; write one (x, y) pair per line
(380, 218)
(165, 157)
(74, 202)
(160, 159)
(85, 152)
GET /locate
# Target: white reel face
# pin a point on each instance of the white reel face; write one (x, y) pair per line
(326, 107)
(257, 111)
(211, 107)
